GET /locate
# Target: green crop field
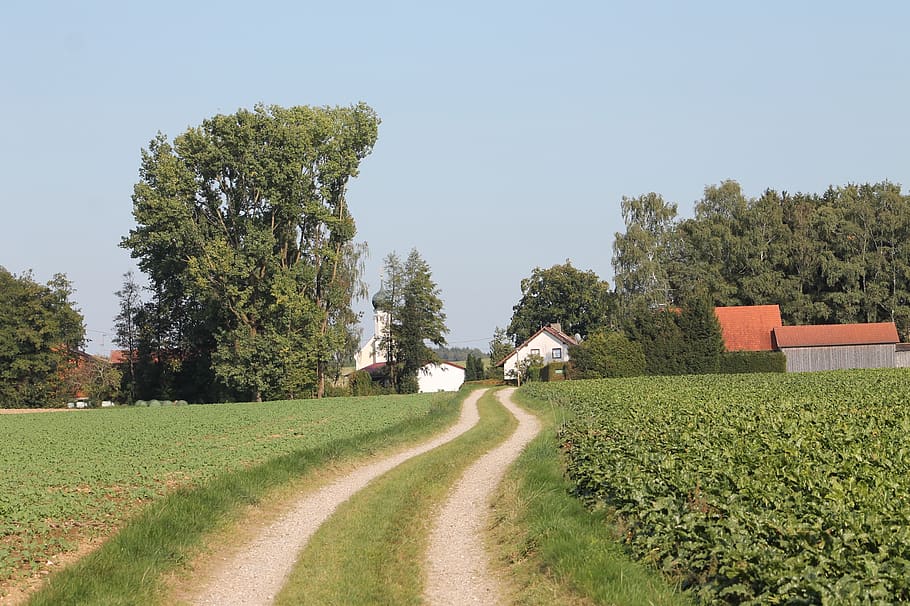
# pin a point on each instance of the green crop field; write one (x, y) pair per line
(66, 476)
(752, 489)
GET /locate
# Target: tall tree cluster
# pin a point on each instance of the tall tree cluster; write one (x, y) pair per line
(41, 332)
(578, 300)
(837, 257)
(245, 234)
(415, 319)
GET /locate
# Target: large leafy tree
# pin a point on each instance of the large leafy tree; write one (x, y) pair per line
(416, 319)
(244, 230)
(41, 332)
(578, 300)
(645, 256)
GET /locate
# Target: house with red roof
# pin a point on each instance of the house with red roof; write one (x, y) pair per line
(808, 348)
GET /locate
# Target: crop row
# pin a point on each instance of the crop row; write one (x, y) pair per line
(66, 477)
(752, 489)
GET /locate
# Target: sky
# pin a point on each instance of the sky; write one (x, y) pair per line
(510, 130)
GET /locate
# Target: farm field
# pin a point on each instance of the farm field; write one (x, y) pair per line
(66, 478)
(751, 489)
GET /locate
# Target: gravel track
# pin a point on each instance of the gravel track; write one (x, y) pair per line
(256, 573)
(457, 562)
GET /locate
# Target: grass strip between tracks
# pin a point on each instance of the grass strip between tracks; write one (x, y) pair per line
(128, 569)
(372, 550)
(553, 548)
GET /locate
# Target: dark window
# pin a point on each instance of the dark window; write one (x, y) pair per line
(557, 353)
(535, 352)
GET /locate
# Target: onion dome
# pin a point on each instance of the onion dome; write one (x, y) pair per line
(381, 298)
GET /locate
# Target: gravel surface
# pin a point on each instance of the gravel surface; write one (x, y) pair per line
(256, 574)
(457, 562)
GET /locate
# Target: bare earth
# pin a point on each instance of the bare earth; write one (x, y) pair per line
(255, 575)
(457, 563)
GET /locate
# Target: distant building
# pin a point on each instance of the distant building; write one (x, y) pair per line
(550, 343)
(372, 353)
(836, 346)
(372, 357)
(812, 347)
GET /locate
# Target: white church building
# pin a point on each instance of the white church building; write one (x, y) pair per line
(444, 376)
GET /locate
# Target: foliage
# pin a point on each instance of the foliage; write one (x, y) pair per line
(663, 343)
(557, 551)
(703, 343)
(244, 231)
(578, 300)
(473, 370)
(733, 362)
(93, 378)
(500, 347)
(40, 333)
(106, 464)
(456, 354)
(415, 318)
(528, 369)
(837, 257)
(643, 256)
(554, 371)
(606, 354)
(361, 383)
(752, 489)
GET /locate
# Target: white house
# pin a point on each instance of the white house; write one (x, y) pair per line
(550, 343)
(444, 376)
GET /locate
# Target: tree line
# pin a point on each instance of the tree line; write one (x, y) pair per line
(842, 256)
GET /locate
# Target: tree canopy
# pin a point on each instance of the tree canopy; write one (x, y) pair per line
(41, 332)
(416, 318)
(244, 231)
(837, 257)
(578, 300)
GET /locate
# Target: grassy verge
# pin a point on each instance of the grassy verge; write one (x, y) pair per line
(371, 550)
(128, 569)
(555, 550)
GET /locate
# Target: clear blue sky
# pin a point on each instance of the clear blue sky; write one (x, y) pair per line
(510, 130)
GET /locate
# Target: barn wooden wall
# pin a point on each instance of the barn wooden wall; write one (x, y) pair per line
(806, 359)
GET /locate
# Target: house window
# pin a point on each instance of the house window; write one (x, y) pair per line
(535, 352)
(557, 353)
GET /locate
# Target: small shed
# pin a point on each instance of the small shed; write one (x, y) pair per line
(837, 346)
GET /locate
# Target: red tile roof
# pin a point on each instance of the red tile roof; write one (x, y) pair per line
(748, 327)
(836, 334)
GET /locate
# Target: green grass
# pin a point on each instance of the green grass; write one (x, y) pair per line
(372, 549)
(557, 551)
(69, 477)
(129, 567)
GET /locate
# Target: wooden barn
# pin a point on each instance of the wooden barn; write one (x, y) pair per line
(837, 346)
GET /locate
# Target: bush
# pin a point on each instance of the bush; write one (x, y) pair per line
(361, 383)
(734, 362)
(554, 371)
(606, 354)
